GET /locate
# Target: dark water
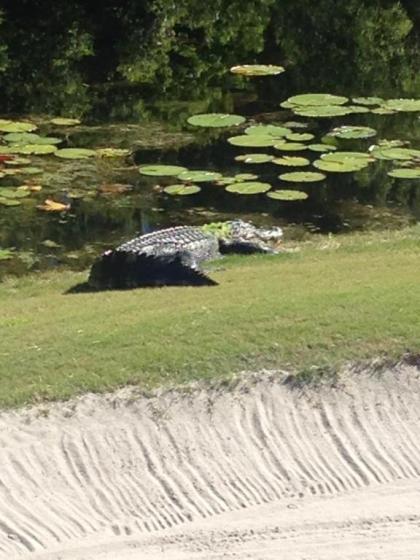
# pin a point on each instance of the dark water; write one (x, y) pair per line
(344, 202)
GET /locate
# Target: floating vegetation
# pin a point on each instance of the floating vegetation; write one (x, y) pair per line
(394, 153)
(199, 176)
(287, 195)
(342, 156)
(215, 120)
(357, 109)
(322, 111)
(321, 148)
(248, 187)
(16, 126)
(29, 171)
(114, 188)
(33, 149)
(182, 190)
(52, 206)
(9, 201)
(254, 158)
(368, 100)
(302, 177)
(290, 146)
(404, 105)
(13, 192)
(383, 111)
(292, 161)
(300, 136)
(6, 254)
(112, 152)
(340, 166)
(245, 177)
(352, 132)
(252, 140)
(257, 70)
(30, 138)
(75, 153)
(64, 121)
(161, 170)
(405, 173)
(268, 130)
(317, 99)
(15, 160)
(296, 124)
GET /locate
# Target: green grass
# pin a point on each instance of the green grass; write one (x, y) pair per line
(336, 299)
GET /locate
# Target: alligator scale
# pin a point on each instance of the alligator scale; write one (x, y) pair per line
(173, 256)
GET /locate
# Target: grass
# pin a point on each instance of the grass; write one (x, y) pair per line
(336, 299)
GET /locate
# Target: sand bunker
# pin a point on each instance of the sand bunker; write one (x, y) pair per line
(265, 470)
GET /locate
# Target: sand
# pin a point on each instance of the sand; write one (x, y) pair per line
(260, 469)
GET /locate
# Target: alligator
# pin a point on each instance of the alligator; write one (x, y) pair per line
(173, 256)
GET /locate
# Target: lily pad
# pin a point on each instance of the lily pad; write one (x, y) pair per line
(302, 177)
(11, 192)
(344, 156)
(321, 148)
(216, 120)
(404, 105)
(257, 70)
(357, 109)
(6, 254)
(18, 161)
(30, 138)
(353, 132)
(296, 124)
(9, 202)
(245, 177)
(322, 111)
(249, 187)
(300, 136)
(290, 146)
(112, 152)
(292, 161)
(252, 140)
(182, 190)
(34, 149)
(254, 158)
(52, 206)
(383, 111)
(64, 121)
(16, 126)
(287, 195)
(199, 176)
(403, 154)
(268, 130)
(368, 100)
(75, 153)
(317, 99)
(344, 166)
(31, 171)
(405, 173)
(161, 170)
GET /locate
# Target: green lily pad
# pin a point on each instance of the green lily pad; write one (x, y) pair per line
(292, 161)
(215, 120)
(287, 105)
(290, 146)
(302, 177)
(249, 187)
(404, 105)
(403, 154)
(18, 161)
(353, 132)
(383, 111)
(161, 170)
(64, 121)
(357, 109)
(239, 177)
(344, 156)
(199, 176)
(34, 149)
(322, 111)
(75, 153)
(16, 126)
(405, 173)
(12, 192)
(254, 158)
(300, 136)
(30, 138)
(257, 70)
(31, 171)
(182, 190)
(6, 254)
(9, 202)
(226, 181)
(112, 152)
(268, 130)
(344, 166)
(317, 99)
(321, 148)
(368, 100)
(287, 195)
(252, 140)
(296, 124)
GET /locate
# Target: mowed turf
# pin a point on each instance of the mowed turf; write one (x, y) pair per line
(327, 303)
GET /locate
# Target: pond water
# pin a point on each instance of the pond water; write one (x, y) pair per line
(106, 200)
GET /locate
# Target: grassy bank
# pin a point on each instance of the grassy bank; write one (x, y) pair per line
(334, 299)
